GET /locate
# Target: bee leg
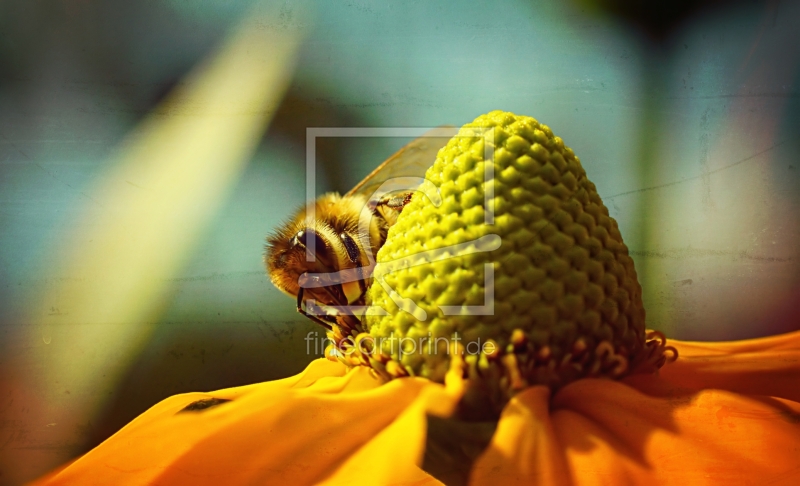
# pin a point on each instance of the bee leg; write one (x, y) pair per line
(335, 298)
(389, 207)
(347, 322)
(397, 202)
(301, 309)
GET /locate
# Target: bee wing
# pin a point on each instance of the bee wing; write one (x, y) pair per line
(410, 161)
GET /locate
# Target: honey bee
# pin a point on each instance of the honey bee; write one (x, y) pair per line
(324, 254)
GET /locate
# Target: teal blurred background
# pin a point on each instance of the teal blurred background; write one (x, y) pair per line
(690, 132)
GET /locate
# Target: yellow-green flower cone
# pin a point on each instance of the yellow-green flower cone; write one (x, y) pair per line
(566, 300)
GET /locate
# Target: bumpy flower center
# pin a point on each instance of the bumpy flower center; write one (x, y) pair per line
(519, 269)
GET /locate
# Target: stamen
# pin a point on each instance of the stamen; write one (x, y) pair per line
(518, 339)
(331, 353)
(396, 370)
(655, 354)
(579, 346)
(515, 377)
(622, 365)
(543, 354)
(494, 349)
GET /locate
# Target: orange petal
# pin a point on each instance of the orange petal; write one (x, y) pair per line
(770, 373)
(394, 455)
(613, 433)
(295, 430)
(524, 448)
(764, 366)
(788, 342)
(316, 370)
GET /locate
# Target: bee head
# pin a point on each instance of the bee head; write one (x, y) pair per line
(320, 244)
(295, 250)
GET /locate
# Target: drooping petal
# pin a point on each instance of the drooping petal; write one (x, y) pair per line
(613, 433)
(394, 455)
(525, 448)
(295, 430)
(723, 413)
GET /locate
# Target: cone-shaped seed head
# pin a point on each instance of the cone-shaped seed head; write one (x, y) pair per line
(561, 296)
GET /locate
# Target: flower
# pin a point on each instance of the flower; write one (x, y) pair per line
(537, 406)
(723, 413)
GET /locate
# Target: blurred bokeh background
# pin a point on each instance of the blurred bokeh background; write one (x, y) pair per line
(122, 285)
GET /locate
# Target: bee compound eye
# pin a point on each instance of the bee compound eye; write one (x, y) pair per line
(353, 253)
(309, 239)
(298, 239)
